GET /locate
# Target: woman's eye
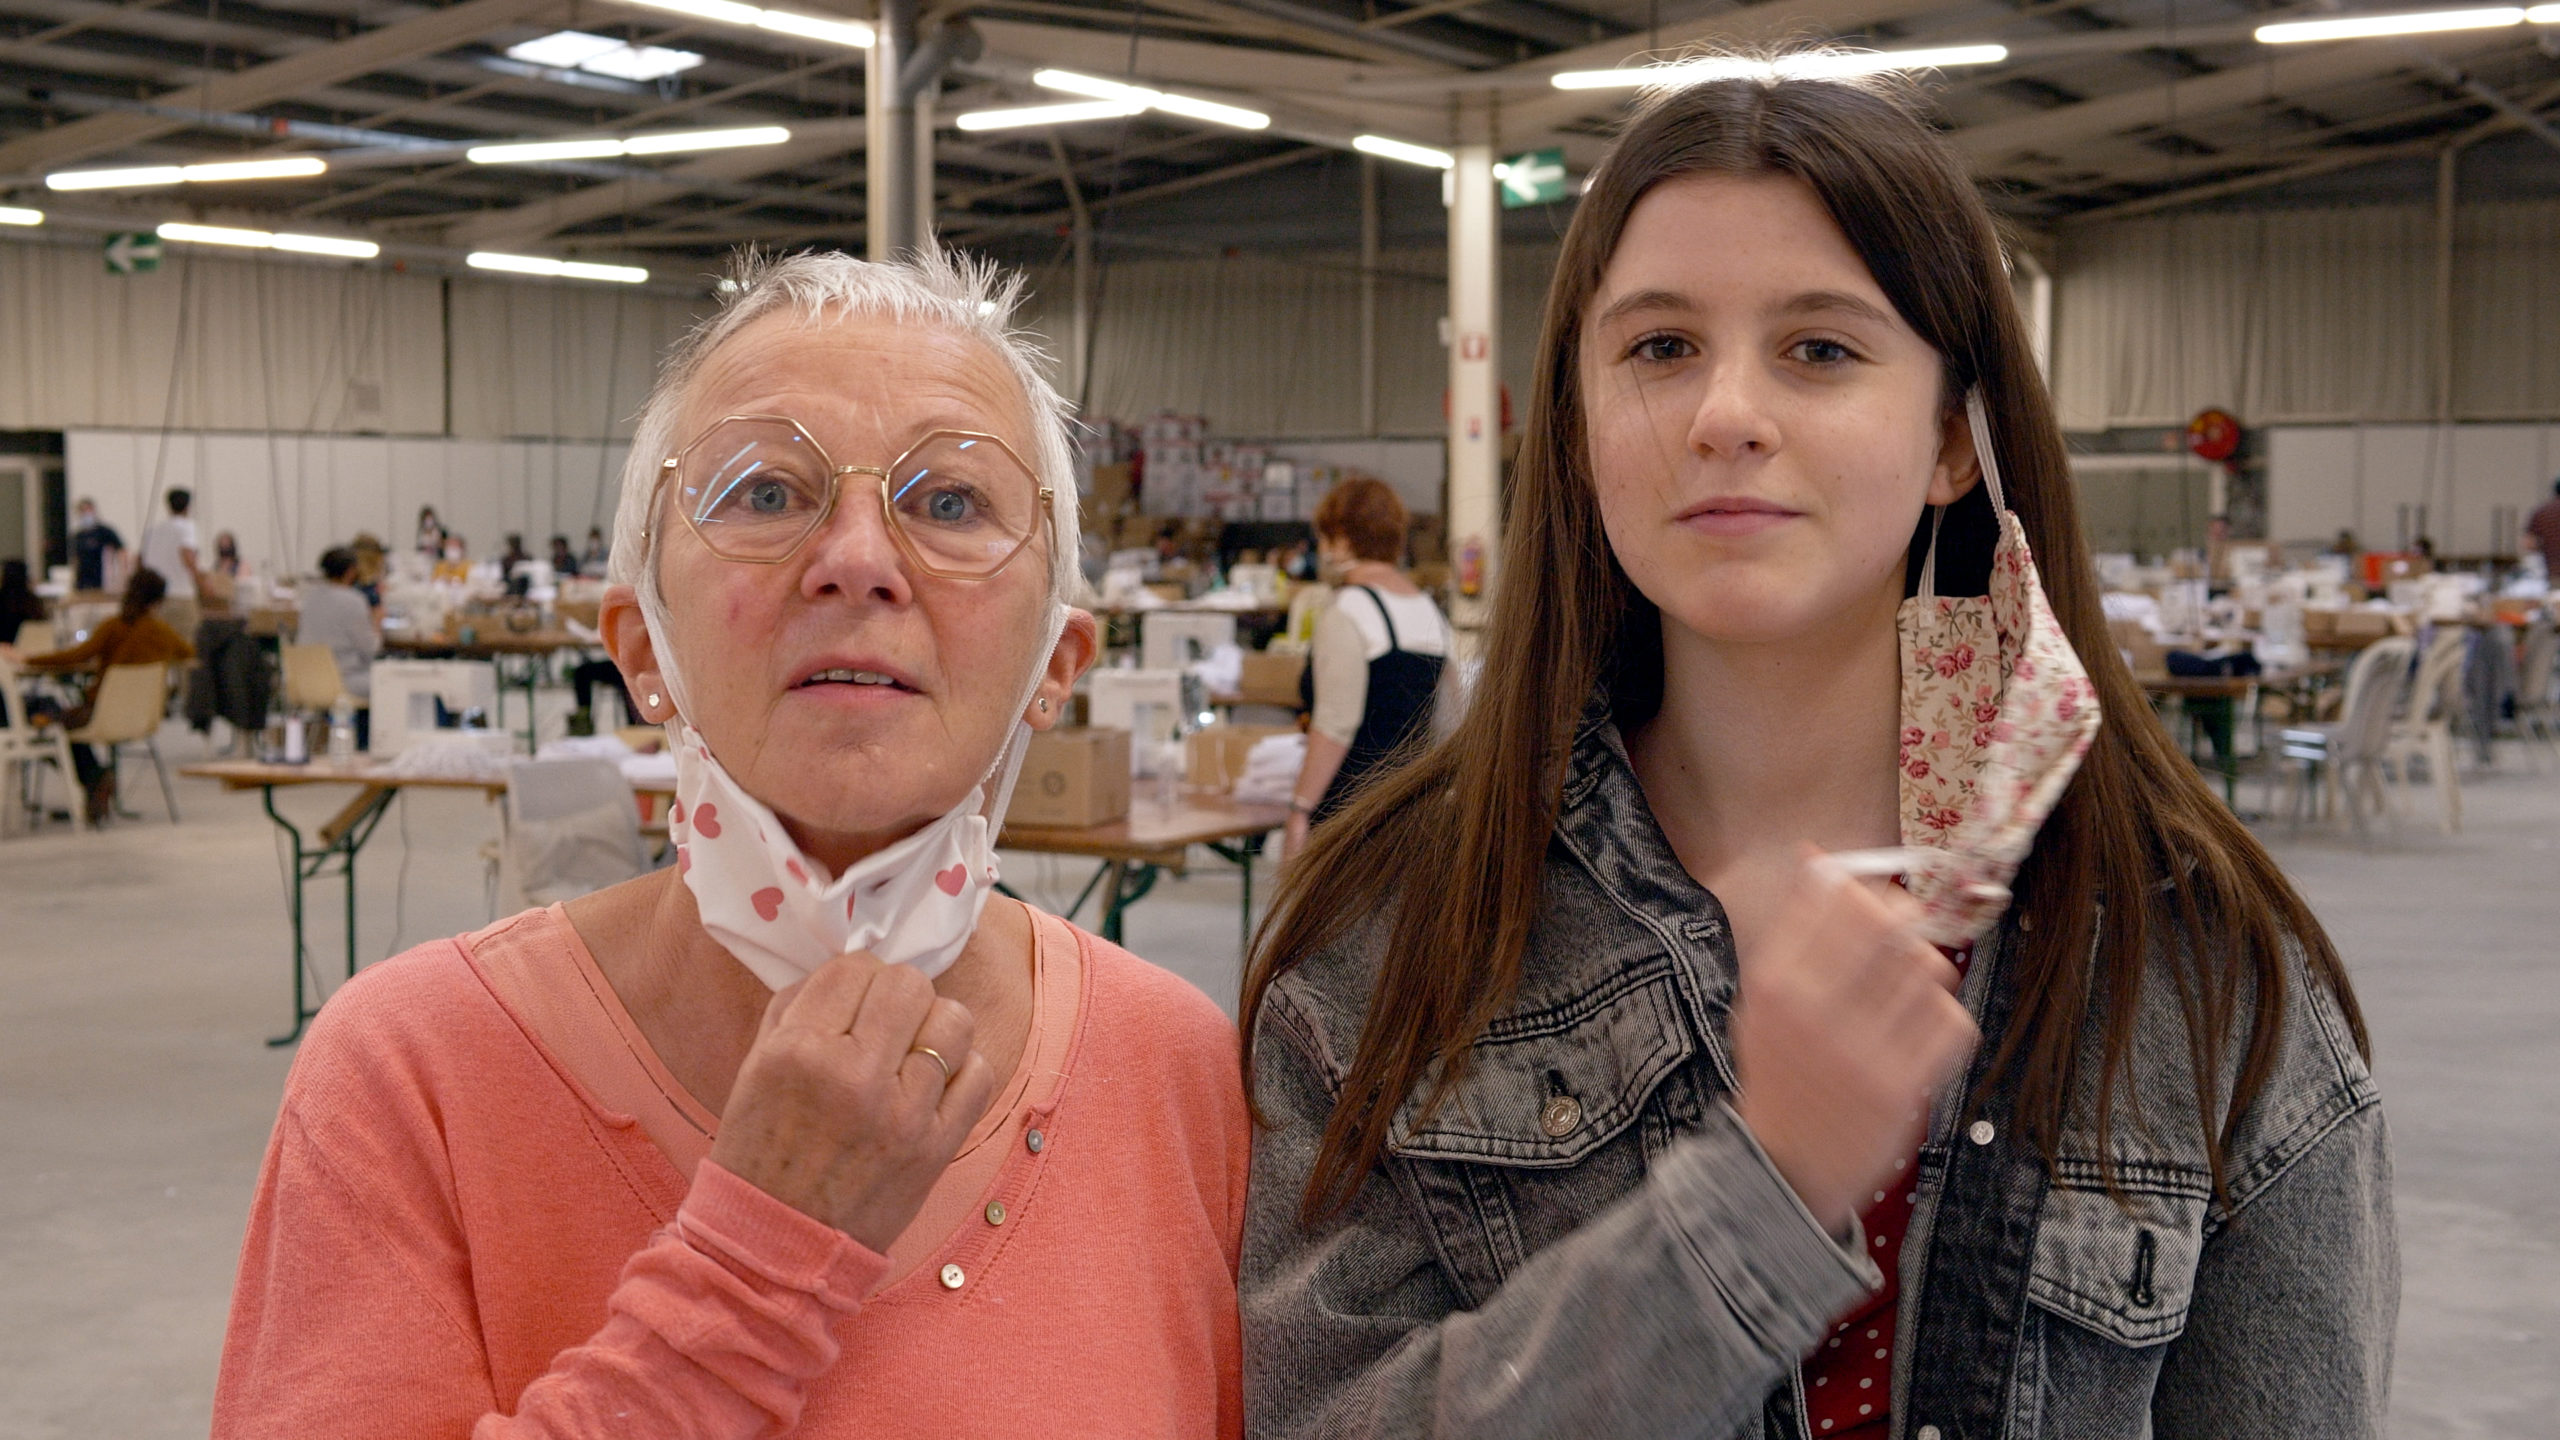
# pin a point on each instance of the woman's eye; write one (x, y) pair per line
(768, 497)
(947, 507)
(1662, 348)
(1822, 352)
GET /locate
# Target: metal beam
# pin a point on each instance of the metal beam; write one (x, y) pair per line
(425, 34)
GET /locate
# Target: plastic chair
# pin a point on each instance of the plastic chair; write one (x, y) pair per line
(35, 637)
(572, 827)
(2425, 732)
(127, 707)
(23, 745)
(311, 679)
(2537, 715)
(2344, 757)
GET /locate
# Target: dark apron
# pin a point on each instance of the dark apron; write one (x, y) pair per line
(1401, 687)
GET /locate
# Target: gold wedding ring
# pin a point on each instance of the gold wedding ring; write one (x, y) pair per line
(935, 1056)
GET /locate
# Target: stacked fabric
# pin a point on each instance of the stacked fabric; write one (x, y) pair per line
(1271, 770)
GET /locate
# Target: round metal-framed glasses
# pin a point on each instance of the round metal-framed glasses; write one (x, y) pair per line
(960, 503)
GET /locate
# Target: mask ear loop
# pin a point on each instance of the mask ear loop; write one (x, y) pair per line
(1989, 463)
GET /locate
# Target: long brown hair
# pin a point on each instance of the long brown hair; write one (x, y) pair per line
(1456, 841)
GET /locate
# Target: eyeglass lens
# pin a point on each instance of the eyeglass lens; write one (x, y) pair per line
(755, 488)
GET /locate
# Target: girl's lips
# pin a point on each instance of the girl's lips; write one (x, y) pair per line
(1735, 519)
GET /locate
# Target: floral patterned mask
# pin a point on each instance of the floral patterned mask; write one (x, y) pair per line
(1997, 712)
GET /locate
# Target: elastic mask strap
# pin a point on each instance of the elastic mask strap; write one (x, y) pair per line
(1982, 452)
(1929, 562)
(1008, 766)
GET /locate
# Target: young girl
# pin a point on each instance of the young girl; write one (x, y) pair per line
(1599, 1102)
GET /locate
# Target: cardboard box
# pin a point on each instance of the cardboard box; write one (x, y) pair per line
(1111, 487)
(1270, 679)
(1072, 778)
(1217, 754)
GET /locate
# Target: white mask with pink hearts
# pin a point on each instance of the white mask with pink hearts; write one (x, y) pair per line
(915, 903)
(781, 913)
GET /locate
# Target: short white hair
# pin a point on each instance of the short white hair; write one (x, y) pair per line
(960, 294)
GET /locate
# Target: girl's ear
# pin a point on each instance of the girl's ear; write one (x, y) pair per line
(1957, 469)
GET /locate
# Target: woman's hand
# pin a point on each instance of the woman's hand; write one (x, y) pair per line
(838, 1113)
(1846, 1023)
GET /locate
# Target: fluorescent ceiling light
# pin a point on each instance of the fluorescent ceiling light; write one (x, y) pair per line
(782, 22)
(1046, 114)
(2543, 15)
(1811, 65)
(333, 245)
(669, 142)
(603, 55)
(532, 151)
(1171, 104)
(2365, 27)
(1399, 150)
(556, 269)
(137, 177)
(18, 215)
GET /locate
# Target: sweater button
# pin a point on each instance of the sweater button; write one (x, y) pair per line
(1035, 1140)
(1560, 1116)
(953, 1277)
(995, 1212)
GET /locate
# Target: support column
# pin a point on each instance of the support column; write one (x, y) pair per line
(1079, 375)
(889, 154)
(2448, 167)
(1369, 295)
(1475, 389)
(2039, 312)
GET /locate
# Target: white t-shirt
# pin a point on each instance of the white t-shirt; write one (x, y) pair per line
(1353, 632)
(160, 546)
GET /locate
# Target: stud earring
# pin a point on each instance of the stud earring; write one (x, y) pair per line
(653, 700)
(1044, 704)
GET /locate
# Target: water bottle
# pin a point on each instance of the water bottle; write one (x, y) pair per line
(297, 749)
(342, 732)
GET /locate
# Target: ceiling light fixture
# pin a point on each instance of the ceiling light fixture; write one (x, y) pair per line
(142, 176)
(556, 269)
(2366, 27)
(1067, 114)
(782, 22)
(1184, 105)
(529, 152)
(1811, 65)
(19, 215)
(603, 55)
(330, 245)
(1410, 154)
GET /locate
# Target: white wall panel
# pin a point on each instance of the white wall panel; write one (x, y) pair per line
(2372, 479)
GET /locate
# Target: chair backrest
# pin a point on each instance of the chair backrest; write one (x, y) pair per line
(129, 702)
(572, 828)
(13, 703)
(2533, 673)
(2437, 692)
(35, 637)
(2375, 685)
(311, 678)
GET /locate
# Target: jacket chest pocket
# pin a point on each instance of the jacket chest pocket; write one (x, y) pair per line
(1554, 1121)
(2121, 1267)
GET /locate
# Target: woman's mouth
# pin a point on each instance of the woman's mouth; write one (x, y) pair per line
(1734, 516)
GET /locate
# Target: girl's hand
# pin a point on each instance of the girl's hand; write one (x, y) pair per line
(1845, 1025)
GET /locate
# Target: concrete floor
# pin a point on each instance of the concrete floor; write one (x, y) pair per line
(141, 969)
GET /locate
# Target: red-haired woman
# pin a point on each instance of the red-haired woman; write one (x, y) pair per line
(1601, 1101)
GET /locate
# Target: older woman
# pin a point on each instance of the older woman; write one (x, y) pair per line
(806, 1134)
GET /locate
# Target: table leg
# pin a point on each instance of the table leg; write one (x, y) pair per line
(1242, 854)
(341, 838)
(302, 1010)
(1114, 874)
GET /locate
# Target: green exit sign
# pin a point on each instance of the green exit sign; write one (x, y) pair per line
(132, 254)
(1536, 178)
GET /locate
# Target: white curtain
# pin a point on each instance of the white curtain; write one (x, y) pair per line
(2306, 316)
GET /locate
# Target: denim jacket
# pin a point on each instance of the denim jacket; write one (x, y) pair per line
(1585, 1241)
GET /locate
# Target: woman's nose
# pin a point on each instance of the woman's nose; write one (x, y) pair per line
(853, 554)
(1732, 420)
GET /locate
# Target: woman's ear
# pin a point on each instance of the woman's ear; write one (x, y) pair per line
(1957, 469)
(626, 639)
(1078, 643)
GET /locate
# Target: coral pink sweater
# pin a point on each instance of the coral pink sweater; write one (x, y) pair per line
(454, 1235)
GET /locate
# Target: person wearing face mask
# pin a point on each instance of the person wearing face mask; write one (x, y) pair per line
(1611, 1087)
(1380, 647)
(810, 1132)
(95, 547)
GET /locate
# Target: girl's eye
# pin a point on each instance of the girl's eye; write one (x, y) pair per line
(1822, 352)
(1662, 348)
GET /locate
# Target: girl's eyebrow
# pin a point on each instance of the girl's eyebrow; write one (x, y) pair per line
(1816, 302)
(1811, 302)
(1635, 300)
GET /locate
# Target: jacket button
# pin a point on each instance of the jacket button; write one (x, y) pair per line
(1981, 1132)
(1560, 1116)
(1926, 1432)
